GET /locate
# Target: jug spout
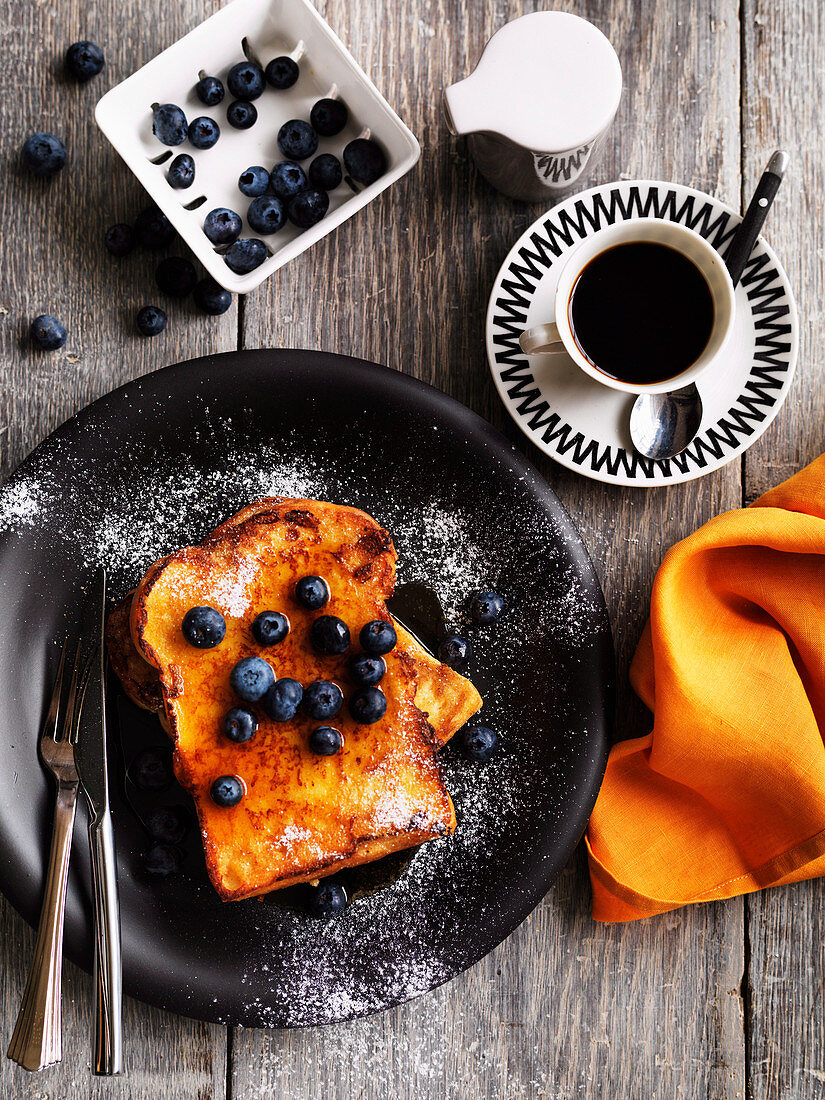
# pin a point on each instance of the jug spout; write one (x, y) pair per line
(461, 108)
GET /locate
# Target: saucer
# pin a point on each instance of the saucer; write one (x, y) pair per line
(585, 425)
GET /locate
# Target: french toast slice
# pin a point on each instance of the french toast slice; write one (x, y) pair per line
(302, 816)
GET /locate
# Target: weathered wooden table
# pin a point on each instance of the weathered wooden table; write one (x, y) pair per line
(717, 1001)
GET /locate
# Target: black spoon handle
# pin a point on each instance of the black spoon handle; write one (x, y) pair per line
(745, 237)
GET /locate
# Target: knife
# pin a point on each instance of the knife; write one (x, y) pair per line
(90, 756)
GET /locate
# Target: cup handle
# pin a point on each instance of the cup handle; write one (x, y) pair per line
(541, 340)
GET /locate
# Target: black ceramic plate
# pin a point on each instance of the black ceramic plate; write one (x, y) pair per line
(157, 464)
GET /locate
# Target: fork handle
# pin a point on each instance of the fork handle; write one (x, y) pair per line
(37, 1040)
(108, 1053)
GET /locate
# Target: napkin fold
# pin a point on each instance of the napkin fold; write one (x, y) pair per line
(727, 794)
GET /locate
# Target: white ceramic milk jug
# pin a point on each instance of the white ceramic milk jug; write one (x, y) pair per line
(538, 105)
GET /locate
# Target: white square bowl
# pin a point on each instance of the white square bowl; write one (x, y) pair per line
(269, 28)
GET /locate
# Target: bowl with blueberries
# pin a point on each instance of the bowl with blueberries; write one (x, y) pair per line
(256, 135)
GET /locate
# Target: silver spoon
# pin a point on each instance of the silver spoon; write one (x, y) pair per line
(663, 424)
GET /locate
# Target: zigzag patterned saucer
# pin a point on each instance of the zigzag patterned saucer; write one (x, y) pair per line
(584, 425)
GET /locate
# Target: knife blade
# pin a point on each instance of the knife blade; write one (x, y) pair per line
(92, 767)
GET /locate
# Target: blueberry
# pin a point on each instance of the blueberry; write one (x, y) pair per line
(227, 790)
(203, 627)
(153, 229)
(455, 651)
(120, 239)
(287, 179)
(325, 172)
(212, 298)
(167, 823)
(151, 770)
(478, 743)
(162, 859)
(43, 154)
(378, 637)
(254, 181)
(246, 80)
(169, 124)
(325, 741)
(330, 635)
(203, 132)
(328, 900)
(486, 607)
(308, 208)
(329, 117)
(266, 214)
(368, 705)
(282, 700)
(84, 60)
(364, 160)
(181, 172)
(270, 628)
(322, 699)
(282, 72)
(245, 255)
(47, 332)
(365, 670)
(241, 115)
(312, 592)
(176, 276)
(151, 320)
(251, 679)
(209, 91)
(222, 226)
(297, 140)
(239, 724)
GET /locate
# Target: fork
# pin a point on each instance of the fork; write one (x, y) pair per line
(37, 1040)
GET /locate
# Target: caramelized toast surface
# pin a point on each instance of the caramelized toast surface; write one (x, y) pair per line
(302, 816)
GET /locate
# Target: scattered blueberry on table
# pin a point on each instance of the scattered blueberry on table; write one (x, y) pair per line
(368, 705)
(326, 172)
(486, 607)
(251, 678)
(222, 226)
(245, 255)
(313, 592)
(266, 214)
(120, 239)
(364, 160)
(455, 650)
(282, 72)
(239, 725)
(308, 208)
(329, 635)
(211, 298)
(325, 741)
(43, 154)
(151, 770)
(167, 823)
(209, 91)
(322, 699)
(169, 124)
(246, 80)
(328, 117)
(282, 700)
(241, 115)
(378, 637)
(47, 332)
(254, 181)
(162, 859)
(181, 172)
(151, 320)
(226, 791)
(203, 132)
(297, 140)
(288, 179)
(153, 230)
(84, 60)
(270, 628)
(478, 743)
(203, 627)
(176, 276)
(329, 899)
(366, 671)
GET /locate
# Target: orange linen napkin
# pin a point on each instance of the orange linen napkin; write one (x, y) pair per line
(727, 794)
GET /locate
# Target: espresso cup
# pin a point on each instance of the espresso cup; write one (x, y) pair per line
(557, 336)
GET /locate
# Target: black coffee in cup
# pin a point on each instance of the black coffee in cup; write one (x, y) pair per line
(641, 312)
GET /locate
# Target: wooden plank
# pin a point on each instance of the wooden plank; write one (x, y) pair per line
(53, 260)
(784, 105)
(565, 1007)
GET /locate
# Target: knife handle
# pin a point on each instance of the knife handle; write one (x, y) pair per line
(108, 1054)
